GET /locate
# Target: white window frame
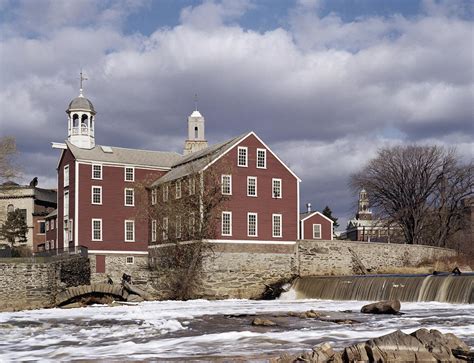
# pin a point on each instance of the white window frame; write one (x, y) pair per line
(178, 228)
(192, 224)
(248, 186)
(228, 213)
(66, 176)
(246, 149)
(153, 230)
(47, 226)
(273, 188)
(126, 174)
(248, 224)
(66, 204)
(320, 231)
(100, 230)
(264, 159)
(224, 176)
(154, 196)
(191, 186)
(100, 170)
(71, 230)
(52, 224)
(132, 223)
(280, 228)
(178, 191)
(100, 194)
(125, 197)
(129, 260)
(165, 228)
(165, 193)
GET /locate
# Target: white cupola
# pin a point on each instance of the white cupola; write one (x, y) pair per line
(81, 121)
(196, 136)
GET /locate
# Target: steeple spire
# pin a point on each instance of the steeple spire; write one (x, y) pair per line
(81, 79)
(195, 102)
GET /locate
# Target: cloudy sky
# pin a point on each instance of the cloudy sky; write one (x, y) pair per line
(325, 83)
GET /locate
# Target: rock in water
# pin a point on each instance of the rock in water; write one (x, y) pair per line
(382, 307)
(262, 322)
(134, 298)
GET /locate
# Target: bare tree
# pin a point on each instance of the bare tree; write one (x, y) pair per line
(418, 188)
(8, 169)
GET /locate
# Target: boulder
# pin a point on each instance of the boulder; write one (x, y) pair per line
(134, 298)
(440, 345)
(262, 322)
(382, 307)
(322, 353)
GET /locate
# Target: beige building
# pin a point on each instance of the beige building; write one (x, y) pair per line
(36, 203)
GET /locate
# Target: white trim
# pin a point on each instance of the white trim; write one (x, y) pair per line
(153, 231)
(256, 189)
(58, 145)
(256, 224)
(120, 165)
(101, 172)
(154, 196)
(264, 159)
(260, 242)
(76, 204)
(92, 194)
(281, 188)
(165, 229)
(125, 173)
(176, 189)
(125, 230)
(320, 231)
(103, 252)
(125, 197)
(66, 168)
(101, 229)
(222, 223)
(319, 213)
(246, 156)
(298, 222)
(273, 225)
(130, 263)
(230, 184)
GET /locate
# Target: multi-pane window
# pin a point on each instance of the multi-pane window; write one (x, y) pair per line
(130, 260)
(191, 186)
(242, 156)
(165, 228)
(226, 184)
(66, 175)
(129, 231)
(252, 186)
(66, 204)
(178, 189)
(252, 224)
(192, 224)
(96, 171)
(178, 227)
(316, 231)
(153, 230)
(226, 229)
(47, 225)
(261, 158)
(165, 193)
(52, 224)
(129, 197)
(129, 174)
(42, 227)
(276, 225)
(154, 196)
(96, 195)
(276, 188)
(71, 230)
(97, 229)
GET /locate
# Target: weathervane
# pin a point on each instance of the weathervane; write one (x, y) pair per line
(81, 78)
(196, 101)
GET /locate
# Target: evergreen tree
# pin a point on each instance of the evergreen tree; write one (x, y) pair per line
(328, 213)
(14, 229)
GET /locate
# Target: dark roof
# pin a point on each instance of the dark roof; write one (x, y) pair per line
(125, 156)
(53, 214)
(46, 195)
(81, 104)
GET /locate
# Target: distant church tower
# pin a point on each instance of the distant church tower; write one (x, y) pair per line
(81, 121)
(363, 211)
(196, 137)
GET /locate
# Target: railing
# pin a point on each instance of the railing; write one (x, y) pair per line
(7, 255)
(76, 250)
(83, 130)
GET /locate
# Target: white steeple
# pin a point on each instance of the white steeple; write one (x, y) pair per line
(81, 120)
(196, 133)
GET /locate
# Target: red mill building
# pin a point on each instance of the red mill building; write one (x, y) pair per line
(99, 207)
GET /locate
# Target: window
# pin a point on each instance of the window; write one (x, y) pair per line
(66, 176)
(129, 174)
(129, 197)
(226, 229)
(178, 189)
(226, 184)
(129, 231)
(130, 260)
(97, 171)
(51, 244)
(316, 231)
(47, 225)
(242, 156)
(10, 208)
(66, 204)
(96, 195)
(252, 224)
(251, 186)
(71, 230)
(42, 227)
(154, 196)
(178, 227)
(261, 158)
(192, 224)
(165, 228)
(276, 228)
(191, 186)
(276, 188)
(153, 230)
(52, 224)
(165, 193)
(97, 229)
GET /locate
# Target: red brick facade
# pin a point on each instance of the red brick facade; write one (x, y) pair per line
(308, 231)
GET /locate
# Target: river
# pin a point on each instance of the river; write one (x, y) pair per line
(200, 329)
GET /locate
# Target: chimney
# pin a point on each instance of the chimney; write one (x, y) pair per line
(308, 207)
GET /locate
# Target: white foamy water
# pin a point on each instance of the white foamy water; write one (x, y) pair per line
(199, 329)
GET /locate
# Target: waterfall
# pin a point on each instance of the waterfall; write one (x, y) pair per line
(442, 288)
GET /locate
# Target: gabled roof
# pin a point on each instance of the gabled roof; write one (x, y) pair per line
(198, 160)
(160, 159)
(306, 215)
(53, 214)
